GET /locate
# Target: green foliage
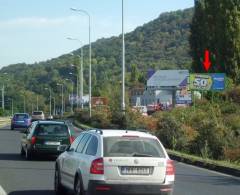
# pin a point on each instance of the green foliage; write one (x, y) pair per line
(216, 26)
(170, 132)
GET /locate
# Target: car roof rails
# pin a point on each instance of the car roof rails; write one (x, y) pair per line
(96, 130)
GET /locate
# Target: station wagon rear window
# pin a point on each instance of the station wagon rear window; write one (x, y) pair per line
(51, 129)
(132, 146)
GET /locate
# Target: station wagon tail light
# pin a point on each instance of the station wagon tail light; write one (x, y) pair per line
(170, 170)
(97, 166)
(33, 140)
(72, 138)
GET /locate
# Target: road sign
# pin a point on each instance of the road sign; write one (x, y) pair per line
(207, 82)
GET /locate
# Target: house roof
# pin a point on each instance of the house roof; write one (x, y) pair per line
(168, 78)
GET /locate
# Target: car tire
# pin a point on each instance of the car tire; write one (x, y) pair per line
(22, 151)
(58, 187)
(28, 155)
(78, 186)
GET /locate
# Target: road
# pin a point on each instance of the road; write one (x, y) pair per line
(21, 177)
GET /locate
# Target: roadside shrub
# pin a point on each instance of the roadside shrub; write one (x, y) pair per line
(232, 154)
(101, 118)
(234, 95)
(82, 116)
(229, 108)
(170, 132)
(233, 121)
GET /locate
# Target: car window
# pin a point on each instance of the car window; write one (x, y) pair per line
(51, 130)
(132, 146)
(83, 143)
(76, 142)
(37, 113)
(92, 146)
(21, 116)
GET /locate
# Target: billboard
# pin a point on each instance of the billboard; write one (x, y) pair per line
(183, 96)
(207, 82)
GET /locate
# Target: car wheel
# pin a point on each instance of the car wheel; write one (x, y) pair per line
(58, 188)
(22, 151)
(28, 155)
(78, 186)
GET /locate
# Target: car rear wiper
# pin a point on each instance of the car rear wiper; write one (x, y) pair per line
(141, 155)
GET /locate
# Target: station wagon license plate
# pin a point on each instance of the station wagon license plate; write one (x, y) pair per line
(129, 170)
(52, 143)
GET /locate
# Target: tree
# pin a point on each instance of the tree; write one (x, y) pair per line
(216, 27)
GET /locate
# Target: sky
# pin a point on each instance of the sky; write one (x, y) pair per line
(37, 30)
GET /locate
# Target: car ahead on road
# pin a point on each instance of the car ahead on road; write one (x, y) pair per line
(38, 115)
(20, 120)
(114, 162)
(44, 137)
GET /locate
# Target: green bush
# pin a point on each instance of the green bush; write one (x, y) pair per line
(170, 132)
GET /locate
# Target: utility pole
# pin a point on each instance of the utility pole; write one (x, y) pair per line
(37, 102)
(3, 97)
(123, 61)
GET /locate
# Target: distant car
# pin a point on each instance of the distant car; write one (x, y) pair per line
(115, 162)
(20, 120)
(44, 137)
(38, 115)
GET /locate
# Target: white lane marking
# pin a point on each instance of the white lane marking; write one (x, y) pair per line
(211, 171)
(2, 191)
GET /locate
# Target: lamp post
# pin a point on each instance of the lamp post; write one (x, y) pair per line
(54, 106)
(50, 101)
(72, 94)
(90, 56)
(81, 70)
(11, 99)
(123, 61)
(59, 84)
(77, 82)
(37, 102)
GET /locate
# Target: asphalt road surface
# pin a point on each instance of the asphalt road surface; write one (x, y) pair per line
(21, 177)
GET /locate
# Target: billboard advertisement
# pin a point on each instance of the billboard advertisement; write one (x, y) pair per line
(183, 96)
(207, 82)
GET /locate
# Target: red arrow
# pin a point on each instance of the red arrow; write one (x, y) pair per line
(207, 63)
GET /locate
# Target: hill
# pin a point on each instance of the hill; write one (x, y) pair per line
(161, 44)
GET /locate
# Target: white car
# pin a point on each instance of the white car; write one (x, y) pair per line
(115, 162)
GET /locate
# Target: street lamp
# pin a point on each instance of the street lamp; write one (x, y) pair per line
(81, 70)
(50, 103)
(90, 56)
(54, 106)
(59, 84)
(123, 61)
(11, 99)
(72, 94)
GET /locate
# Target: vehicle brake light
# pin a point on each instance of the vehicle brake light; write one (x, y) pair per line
(170, 170)
(33, 140)
(97, 166)
(103, 188)
(72, 138)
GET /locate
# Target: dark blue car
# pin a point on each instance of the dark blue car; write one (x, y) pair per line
(20, 120)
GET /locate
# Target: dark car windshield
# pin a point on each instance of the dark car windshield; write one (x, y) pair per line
(132, 146)
(51, 129)
(21, 116)
(37, 113)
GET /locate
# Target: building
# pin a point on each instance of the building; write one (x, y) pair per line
(164, 87)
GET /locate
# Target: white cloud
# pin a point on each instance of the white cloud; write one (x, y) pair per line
(38, 22)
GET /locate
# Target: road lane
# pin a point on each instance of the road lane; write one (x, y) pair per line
(21, 177)
(191, 180)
